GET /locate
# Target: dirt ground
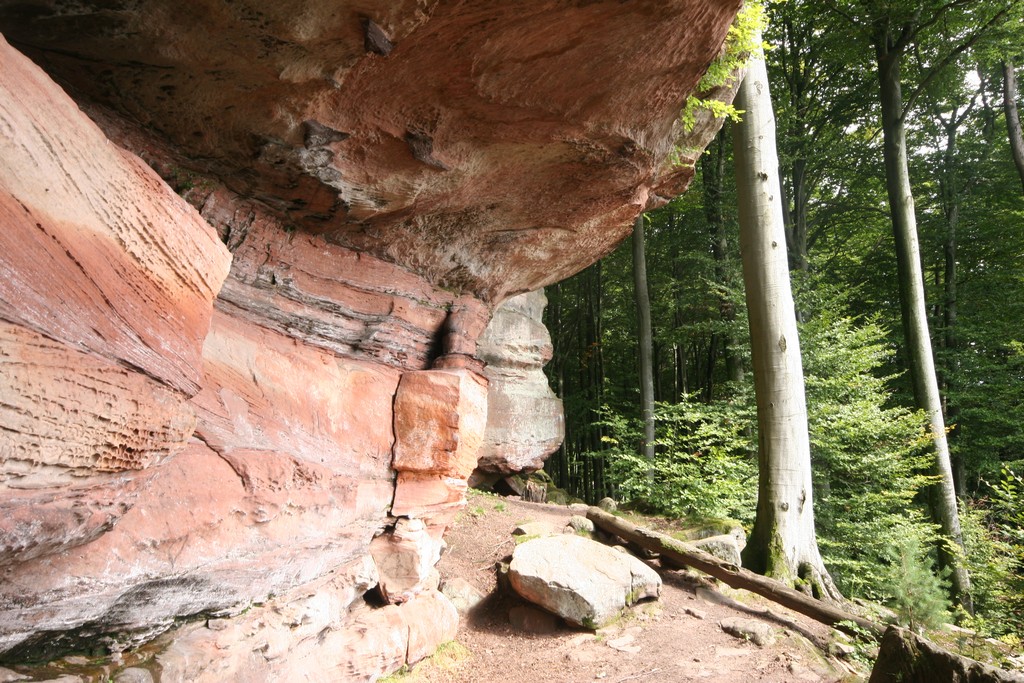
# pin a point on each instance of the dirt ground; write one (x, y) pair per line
(675, 638)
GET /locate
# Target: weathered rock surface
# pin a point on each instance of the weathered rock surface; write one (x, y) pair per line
(106, 295)
(525, 423)
(462, 594)
(724, 547)
(757, 632)
(904, 657)
(384, 174)
(518, 156)
(440, 417)
(312, 635)
(583, 581)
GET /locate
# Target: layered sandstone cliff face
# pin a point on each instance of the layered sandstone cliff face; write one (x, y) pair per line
(273, 387)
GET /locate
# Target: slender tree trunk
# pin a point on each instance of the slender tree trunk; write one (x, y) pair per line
(643, 316)
(783, 544)
(1012, 117)
(951, 208)
(797, 238)
(914, 311)
(713, 172)
(558, 360)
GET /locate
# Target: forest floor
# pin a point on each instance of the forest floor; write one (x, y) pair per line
(675, 638)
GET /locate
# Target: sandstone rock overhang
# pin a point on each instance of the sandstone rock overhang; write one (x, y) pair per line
(379, 177)
(490, 147)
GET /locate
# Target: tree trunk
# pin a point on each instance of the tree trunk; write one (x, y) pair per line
(783, 544)
(1012, 117)
(713, 173)
(951, 208)
(643, 316)
(913, 308)
(684, 554)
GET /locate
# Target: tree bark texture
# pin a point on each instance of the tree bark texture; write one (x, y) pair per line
(645, 337)
(913, 308)
(1012, 117)
(783, 543)
(684, 554)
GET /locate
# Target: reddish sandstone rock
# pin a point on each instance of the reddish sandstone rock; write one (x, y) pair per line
(384, 174)
(266, 391)
(490, 147)
(106, 295)
(405, 558)
(299, 485)
(195, 541)
(525, 422)
(322, 294)
(98, 252)
(311, 637)
(440, 416)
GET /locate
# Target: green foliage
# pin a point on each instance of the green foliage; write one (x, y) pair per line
(919, 595)
(742, 41)
(864, 642)
(994, 563)
(704, 465)
(997, 554)
(867, 456)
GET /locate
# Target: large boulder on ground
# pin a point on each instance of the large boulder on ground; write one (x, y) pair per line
(583, 581)
(906, 657)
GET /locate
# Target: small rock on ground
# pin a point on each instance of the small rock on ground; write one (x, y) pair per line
(8, 676)
(757, 632)
(534, 529)
(723, 547)
(134, 675)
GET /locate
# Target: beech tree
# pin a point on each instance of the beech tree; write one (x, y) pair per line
(895, 32)
(644, 337)
(1013, 130)
(783, 543)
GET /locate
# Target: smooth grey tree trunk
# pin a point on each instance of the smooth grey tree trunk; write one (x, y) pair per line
(914, 313)
(1012, 117)
(644, 338)
(783, 544)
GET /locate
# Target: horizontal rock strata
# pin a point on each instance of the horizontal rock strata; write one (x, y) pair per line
(276, 386)
(525, 423)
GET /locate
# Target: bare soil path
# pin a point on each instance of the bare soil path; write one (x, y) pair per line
(676, 638)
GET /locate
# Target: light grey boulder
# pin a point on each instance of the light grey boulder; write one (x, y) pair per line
(9, 675)
(579, 524)
(724, 547)
(582, 581)
(757, 632)
(134, 675)
(462, 594)
(525, 420)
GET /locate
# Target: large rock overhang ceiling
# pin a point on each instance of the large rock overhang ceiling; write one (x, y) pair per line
(491, 147)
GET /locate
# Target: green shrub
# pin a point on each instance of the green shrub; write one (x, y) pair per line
(920, 597)
(704, 465)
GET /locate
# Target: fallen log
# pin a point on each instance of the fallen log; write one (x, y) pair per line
(731, 575)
